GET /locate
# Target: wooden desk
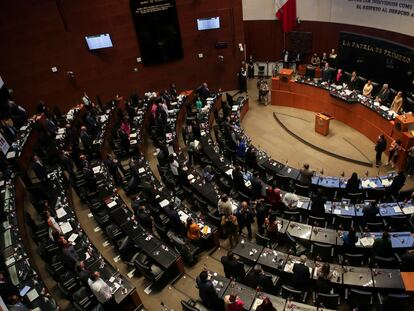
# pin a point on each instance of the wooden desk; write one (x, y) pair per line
(355, 115)
(408, 280)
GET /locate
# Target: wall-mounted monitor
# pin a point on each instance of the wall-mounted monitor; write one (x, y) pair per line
(97, 42)
(208, 23)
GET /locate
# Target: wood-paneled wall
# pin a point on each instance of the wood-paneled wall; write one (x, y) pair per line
(264, 39)
(37, 35)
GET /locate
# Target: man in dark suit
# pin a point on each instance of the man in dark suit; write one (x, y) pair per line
(39, 169)
(380, 147)
(144, 217)
(301, 274)
(86, 139)
(232, 269)
(397, 183)
(207, 292)
(256, 187)
(318, 204)
(382, 247)
(239, 180)
(245, 218)
(257, 278)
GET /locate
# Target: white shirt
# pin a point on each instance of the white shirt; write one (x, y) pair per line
(174, 167)
(86, 101)
(100, 289)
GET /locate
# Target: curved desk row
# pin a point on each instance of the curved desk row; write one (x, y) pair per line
(363, 119)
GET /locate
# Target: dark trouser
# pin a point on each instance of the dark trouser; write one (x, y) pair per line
(410, 165)
(391, 155)
(110, 305)
(378, 157)
(260, 226)
(249, 229)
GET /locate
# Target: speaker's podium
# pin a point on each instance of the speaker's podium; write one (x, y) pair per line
(322, 123)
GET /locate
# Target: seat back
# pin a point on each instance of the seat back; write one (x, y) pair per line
(316, 221)
(288, 292)
(375, 226)
(386, 262)
(330, 301)
(343, 222)
(262, 240)
(302, 190)
(354, 259)
(355, 197)
(323, 251)
(359, 298)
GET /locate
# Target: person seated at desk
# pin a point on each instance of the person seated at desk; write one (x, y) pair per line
(257, 278)
(306, 174)
(224, 205)
(349, 239)
(233, 303)
(397, 103)
(266, 305)
(193, 230)
(315, 60)
(318, 204)
(353, 183)
(323, 282)
(245, 218)
(102, 291)
(370, 212)
(353, 81)
(383, 94)
(232, 268)
(397, 183)
(367, 90)
(301, 275)
(207, 292)
(382, 247)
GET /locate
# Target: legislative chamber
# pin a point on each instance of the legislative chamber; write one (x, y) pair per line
(200, 155)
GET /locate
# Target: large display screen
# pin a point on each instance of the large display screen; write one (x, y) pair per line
(158, 31)
(208, 23)
(99, 41)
